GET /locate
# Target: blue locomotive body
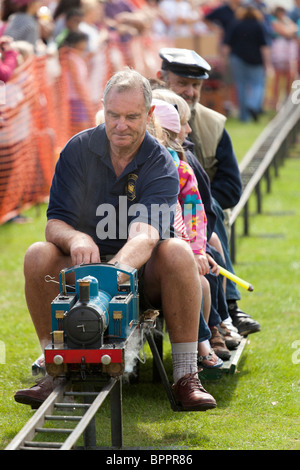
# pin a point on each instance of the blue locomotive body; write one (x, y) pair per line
(92, 319)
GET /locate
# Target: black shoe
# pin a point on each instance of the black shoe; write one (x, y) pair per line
(241, 320)
(254, 114)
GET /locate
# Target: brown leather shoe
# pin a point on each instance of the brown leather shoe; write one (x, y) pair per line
(190, 394)
(230, 342)
(218, 344)
(37, 394)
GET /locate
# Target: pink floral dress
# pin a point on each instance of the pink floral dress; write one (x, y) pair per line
(190, 220)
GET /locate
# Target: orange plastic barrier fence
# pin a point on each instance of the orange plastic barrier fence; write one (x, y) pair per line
(45, 103)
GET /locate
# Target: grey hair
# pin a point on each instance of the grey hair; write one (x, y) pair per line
(129, 79)
(171, 97)
(164, 75)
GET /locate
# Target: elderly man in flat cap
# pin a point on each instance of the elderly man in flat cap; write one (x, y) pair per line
(183, 71)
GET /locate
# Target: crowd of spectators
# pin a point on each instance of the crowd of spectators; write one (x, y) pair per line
(258, 46)
(257, 42)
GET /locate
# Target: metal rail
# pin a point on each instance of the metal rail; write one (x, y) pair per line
(270, 148)
(64, 399)
(82, 414)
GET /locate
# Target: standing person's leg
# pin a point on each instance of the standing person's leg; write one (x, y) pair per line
(255, 90)
(239, 77)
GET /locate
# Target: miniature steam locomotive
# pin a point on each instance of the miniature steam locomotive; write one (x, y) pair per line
(93, 320)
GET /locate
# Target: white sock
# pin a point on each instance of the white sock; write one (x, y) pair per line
(204, 347)
(229, 324)
(227, 321)
(184, 356)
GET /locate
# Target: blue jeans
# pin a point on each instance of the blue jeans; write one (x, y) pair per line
(204, 332)
(232, 292)
(250, 84)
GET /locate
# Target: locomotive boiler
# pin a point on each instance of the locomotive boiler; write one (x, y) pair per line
(94, 321)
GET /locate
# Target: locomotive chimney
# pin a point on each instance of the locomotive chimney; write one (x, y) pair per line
(84, 290)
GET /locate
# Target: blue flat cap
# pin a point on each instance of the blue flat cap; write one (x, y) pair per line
(184, 62)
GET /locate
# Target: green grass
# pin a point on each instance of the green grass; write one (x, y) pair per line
(243, 135)
(258, 407)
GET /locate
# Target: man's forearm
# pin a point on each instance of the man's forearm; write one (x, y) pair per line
(60, 234)
(78, 245)
(139, 246)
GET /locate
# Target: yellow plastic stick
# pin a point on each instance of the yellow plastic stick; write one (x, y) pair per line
(236, 279)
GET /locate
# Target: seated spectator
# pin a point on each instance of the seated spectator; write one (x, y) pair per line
(190, 219)
(218, 313)
(103, 157)
(183, 71)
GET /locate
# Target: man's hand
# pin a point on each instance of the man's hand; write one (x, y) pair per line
(80, 246)
(83, 250)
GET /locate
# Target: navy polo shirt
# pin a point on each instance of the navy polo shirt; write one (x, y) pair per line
(246, 38)
(222, 16)
(86, 194)
(226, 186)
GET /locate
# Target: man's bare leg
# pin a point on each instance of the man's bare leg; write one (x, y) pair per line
(42, 259)
(171, 276)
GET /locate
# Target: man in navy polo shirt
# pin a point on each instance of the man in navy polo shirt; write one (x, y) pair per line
(107, 186)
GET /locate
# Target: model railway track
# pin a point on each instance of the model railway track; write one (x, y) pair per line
(271, 147)
(77, 410)
(67, 406)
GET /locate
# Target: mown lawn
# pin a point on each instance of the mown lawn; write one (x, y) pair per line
(258, 407)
